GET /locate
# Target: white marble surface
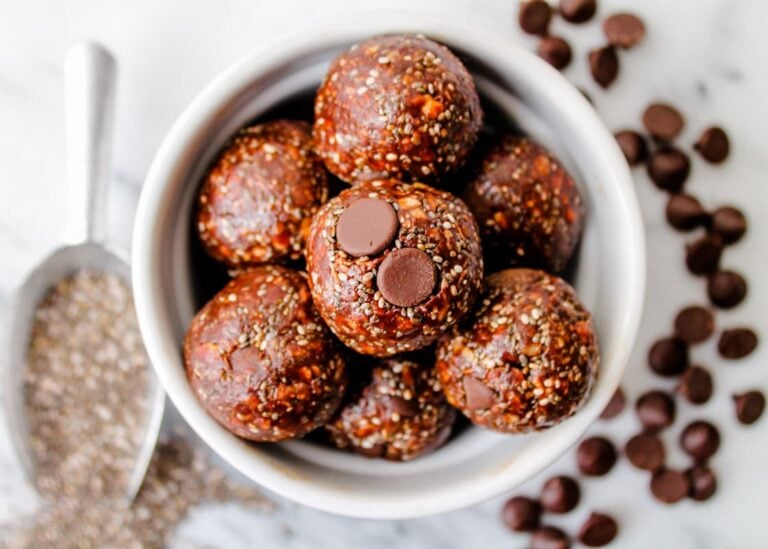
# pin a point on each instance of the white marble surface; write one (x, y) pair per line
(707, 56)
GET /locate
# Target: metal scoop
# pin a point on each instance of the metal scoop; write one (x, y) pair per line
(90, 92)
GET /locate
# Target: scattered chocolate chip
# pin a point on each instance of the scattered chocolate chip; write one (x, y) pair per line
(700, 440)
(729, 223)
(726, 289)
(685, 212)
(598, 530)
(695, 385)
(521, 514)
(578, 11)
(669, 486)
(615, 405)
(694, 324)
(702, 256)
(737, 343)
(633, 145)
(749, 406)
(534, 16)
(595, 456)
(668, 356)
(703, 482)
(713, 145)
(549, 537)
(655, 410)
(663, 121)
(604, 65)
(479, 395)
(645, 451)
(555, 51)
(406, 277)
(367, 227)
(560, 494)
(624, 30)
(668, 167)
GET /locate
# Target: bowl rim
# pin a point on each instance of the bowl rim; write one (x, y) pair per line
(265, 470)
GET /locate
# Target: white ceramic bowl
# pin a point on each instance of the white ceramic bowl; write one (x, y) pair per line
(477, 464)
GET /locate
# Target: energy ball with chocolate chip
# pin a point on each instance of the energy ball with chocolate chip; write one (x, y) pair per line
(398, 106)
(526, 360)
(400, 415)
(393, 265)
(259, 198)
(260, 359)
(528, 207)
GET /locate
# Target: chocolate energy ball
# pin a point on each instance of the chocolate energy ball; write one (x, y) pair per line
(393, 265)
(258, 200)
(400, 415)
(260, 359)
(526, 360)
(529, 209)
(398, 106)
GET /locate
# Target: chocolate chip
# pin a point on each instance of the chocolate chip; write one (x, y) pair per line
(624, 30)
(700, 440)
(604, 65)
(633, 145)
(645, 451)
(749, 406)
(737, 343)
(555, 51)
(729, 223)
(703, 482)
(695, 385)
(560, 494)
(655, 410)
(668, 167)
(479, 396)
(668, 356)
(534, 16)
(521, 514)
(549, 537)
(694, 324)
(367, 227)
(578, 11)
(615, 406)
(404, 408)
(713, 145)
(598, 530)
(726, 289)
(663, 121)
(406, 277)
(685, 212)
(669, 486)
(595, 456)
(702, 256)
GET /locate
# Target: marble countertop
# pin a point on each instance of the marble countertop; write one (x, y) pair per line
(705, 56)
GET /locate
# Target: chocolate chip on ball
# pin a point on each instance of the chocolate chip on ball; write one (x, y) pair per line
(367, 227)
(521, 514)
(560, 494)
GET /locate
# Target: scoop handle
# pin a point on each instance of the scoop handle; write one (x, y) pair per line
(89, 74)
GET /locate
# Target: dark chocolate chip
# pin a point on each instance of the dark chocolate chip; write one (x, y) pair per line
(694, 324)
(726, 289)
(670, 486)
(367, 227)
(700, 440)
(578, 11)
(560, 494)
(749, 406)
(624, 30)
(595, 456)
(695, 385)
(668, 356)
(598, 530)
(737, 343)
(729, 223)
(604, 65)
(668, 168)
(702, 256)
(633, 145)
(534, 16)
(703, 482)
(713, 145)
(615, 405)
(521, 514)
(685, 212)
(404, 408)
(645, 451)
(655, 410)
(549, 537)
(555, 51)
(479, 396)
(406, 277)
(663, 121)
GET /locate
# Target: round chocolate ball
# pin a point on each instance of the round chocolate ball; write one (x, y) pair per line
(528, 208)
(397, 106)
(393, 265)
(258, 200)
(526, 360)
(260, 359)
(399, 415)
